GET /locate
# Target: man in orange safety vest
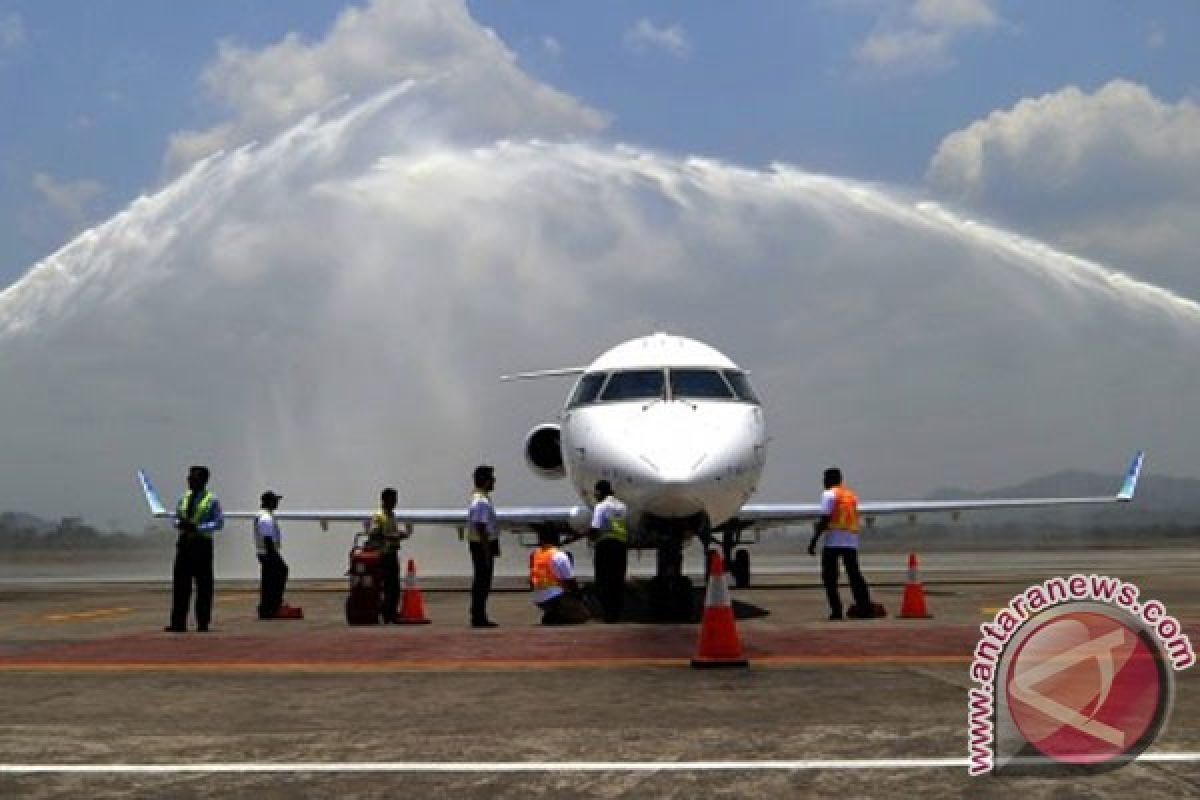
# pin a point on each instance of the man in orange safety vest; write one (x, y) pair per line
(839, 522)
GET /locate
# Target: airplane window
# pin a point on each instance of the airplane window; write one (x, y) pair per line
(587, 389)
(741, 386)
(638, 384)
(703, 384)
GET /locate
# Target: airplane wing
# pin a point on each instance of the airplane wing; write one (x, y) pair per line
(781, 514)
(512, 518)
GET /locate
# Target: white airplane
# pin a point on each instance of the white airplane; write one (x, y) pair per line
(678, 431)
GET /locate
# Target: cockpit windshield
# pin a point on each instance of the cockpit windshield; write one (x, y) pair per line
(699, 384)
(587, 389)
(637, 384)
(741, 386)
(683, 383)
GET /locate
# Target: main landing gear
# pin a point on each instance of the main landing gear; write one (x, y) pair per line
(737, 559)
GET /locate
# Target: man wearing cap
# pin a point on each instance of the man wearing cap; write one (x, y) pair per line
(197, 518)
(267, 542)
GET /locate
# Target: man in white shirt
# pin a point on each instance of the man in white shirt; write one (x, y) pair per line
(483, 541)
(609, 534)
(840, 523)
(268, 541)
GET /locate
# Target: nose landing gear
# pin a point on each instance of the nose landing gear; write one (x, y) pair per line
(671, 596)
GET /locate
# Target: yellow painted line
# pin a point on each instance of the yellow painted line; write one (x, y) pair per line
(450, 665)
(991, 611)
(75, 616)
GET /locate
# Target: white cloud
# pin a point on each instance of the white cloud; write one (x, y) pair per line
(1114, 174)
(919, 36)
(551, 46)
(469, 76)
(328, 311)
(68, 199)
(12, 31)
(911, 46)
(645, 35)
(955, 14)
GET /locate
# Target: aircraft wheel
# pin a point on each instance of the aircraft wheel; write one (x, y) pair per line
(740, 569)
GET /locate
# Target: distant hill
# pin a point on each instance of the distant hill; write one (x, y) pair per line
(16, 521)
(1160, 499)
(1165, 512)
(20, 531)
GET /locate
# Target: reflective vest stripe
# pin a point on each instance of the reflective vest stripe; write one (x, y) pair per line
(385, 525)
(541, 569)
(845, 510)
(472, 534)
(617, 529)
(199, 512)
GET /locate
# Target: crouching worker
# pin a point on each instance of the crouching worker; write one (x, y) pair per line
(552, 578)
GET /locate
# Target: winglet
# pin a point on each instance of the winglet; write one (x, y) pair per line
(152, 499)
(1131, 477)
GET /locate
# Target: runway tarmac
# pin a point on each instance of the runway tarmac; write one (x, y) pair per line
(99, 702)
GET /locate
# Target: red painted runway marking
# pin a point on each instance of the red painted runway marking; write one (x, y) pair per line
(391, 649)
(506, 665)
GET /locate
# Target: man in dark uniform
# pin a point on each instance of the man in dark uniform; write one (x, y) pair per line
(197, 517)
(483, 542)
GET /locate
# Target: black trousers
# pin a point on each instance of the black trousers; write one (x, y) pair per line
(274, 579)
(193, 562)
(390, 566)
(564, 610)
(483, 565)
(829, 576)
(611, 560)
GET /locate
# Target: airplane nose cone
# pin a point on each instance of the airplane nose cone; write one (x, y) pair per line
(673, 445)
(672, 441)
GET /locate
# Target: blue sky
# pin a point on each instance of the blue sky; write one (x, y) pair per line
(92, 91)
(979, 248)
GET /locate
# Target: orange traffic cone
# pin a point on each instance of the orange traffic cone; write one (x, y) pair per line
(913, 604)
(720, 645)
(412, 606)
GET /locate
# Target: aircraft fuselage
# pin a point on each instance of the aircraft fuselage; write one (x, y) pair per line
(673, 425)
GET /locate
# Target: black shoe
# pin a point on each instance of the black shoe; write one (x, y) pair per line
(173, 629)
(836, 617)
(202, 628)
(483, 623)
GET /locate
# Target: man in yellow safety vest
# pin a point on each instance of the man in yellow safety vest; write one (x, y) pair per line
(610, 536)
(385, 534)
(197, 518)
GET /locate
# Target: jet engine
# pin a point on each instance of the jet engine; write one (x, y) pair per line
(543, 452)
